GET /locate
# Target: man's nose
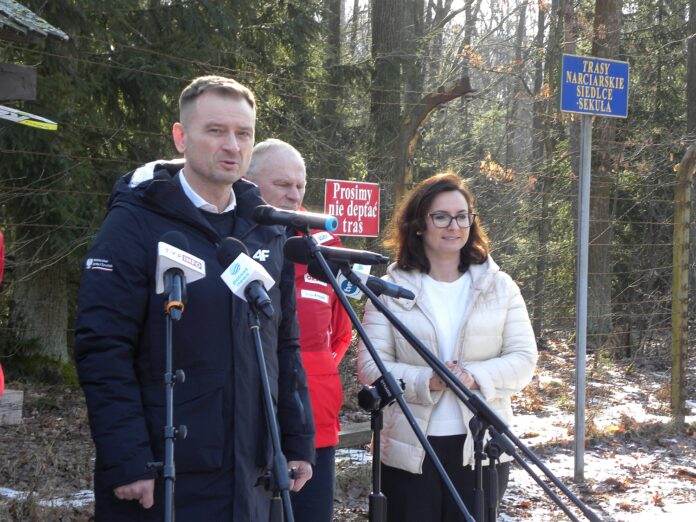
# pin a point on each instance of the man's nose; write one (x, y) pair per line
(231, 143)
(294, 194)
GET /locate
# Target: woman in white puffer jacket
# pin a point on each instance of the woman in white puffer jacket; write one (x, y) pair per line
(473, 317)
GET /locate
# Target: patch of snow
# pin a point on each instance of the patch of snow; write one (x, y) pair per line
(354, 456)
(81, 498)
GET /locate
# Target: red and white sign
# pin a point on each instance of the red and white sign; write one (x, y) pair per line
(355, 204)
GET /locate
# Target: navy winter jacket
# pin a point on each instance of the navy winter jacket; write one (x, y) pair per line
(120, 357)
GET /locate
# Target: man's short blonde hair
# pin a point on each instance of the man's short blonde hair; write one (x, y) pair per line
(219, 84)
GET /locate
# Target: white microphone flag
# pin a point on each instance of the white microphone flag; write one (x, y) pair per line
(169, 256)
(243, 271)
(348, 288)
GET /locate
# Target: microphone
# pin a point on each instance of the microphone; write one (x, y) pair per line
(175, 266)
(297, 251)
(381, 287)
(247, 279)
(268, 215)
(377, 285)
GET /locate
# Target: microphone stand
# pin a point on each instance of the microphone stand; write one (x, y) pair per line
(485, 419)
(378, 506)
(278, 478)
(175, 282)
(373, 399)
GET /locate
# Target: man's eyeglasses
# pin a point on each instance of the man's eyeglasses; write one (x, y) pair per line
(443, 219)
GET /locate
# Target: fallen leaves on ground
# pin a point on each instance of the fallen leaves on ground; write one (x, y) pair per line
(635, 464)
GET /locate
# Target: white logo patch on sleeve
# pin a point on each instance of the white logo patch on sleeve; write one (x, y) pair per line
(313, 294)
(99, 264)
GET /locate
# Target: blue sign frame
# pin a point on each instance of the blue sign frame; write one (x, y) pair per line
(591, 85)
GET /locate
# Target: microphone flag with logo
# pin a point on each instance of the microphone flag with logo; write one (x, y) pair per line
(172, 254)
(247, 279)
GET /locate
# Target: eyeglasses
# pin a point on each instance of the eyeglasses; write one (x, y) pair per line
(444, 220)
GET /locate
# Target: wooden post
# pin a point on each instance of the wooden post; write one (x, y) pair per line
(680, 280)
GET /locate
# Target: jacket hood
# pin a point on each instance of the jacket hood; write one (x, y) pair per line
(156, 186)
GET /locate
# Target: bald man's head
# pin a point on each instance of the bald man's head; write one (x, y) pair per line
(279, 170)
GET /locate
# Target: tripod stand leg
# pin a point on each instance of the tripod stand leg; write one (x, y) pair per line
(378, 507)
(276, 512)
(492, 492)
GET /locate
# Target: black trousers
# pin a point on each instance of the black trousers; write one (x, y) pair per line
(314, 502)
(417, 498)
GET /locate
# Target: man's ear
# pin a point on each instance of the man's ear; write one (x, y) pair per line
(179, 136)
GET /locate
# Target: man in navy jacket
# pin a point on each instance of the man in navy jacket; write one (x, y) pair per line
(120, 331)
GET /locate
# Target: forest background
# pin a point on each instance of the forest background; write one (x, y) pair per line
(386, 91)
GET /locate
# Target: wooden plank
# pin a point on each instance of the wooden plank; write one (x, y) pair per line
(11, 407)
(17, 82)
(680, 280)
(355, 435)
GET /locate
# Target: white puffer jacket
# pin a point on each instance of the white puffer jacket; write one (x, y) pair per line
(496, 344)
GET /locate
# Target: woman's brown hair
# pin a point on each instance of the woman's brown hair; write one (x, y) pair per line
(403, 237)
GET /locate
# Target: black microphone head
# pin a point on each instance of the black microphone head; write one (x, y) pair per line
(229, 249)
(296, 250)
(176, 239)
(314, 269)
(262, 215)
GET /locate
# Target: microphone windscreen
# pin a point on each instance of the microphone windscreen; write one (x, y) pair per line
(176, 239)
(314, 269)
(295, 250)
(229, 249)
(263, 215)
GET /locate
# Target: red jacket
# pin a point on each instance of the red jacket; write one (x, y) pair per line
(325, 335)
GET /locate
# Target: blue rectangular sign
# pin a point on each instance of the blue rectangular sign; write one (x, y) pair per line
(592, 85)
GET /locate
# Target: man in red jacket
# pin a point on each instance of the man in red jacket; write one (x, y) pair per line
(325, 331)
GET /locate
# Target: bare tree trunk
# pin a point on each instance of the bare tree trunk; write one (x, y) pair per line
(691, 121)
(542, 179)
(471, 11)
(332, 15)
(606, 44)
(412, 60)
(570, 31)
(416, 117)
(414, 79)
(546, 139)
(385, 102)
(354, 27)
(516, 88)
(691, 73)
(40, 312)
